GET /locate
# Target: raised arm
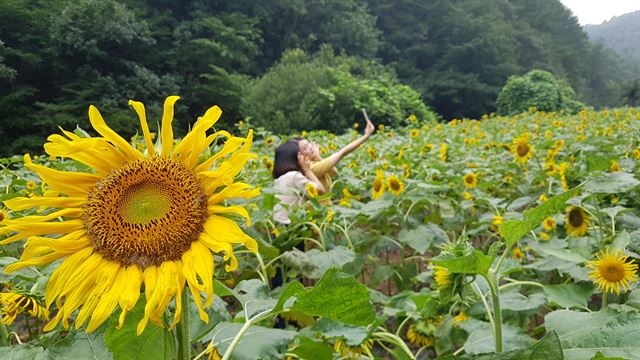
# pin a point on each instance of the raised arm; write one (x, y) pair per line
(349, 148)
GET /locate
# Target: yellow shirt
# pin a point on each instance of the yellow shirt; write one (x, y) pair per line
(324, 171)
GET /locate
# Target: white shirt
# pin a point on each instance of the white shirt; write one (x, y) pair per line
(290, 190)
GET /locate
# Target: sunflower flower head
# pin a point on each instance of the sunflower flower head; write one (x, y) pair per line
(615, 167)
(414, 133)
(443, 152)
(312, 192)
(612, 272)
(461, 317)
(147, 219)
(442, 276)
(377, 188)
(353, 351)
(13, 304)
(422, 333)
(31, 185)
(576, 221)
(549, 224)
(396, 187)
(521, 148)
(470, 180)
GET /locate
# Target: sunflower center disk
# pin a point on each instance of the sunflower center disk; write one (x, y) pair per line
(522, 149)
(613, 273)
(146, 212)
(575, 218)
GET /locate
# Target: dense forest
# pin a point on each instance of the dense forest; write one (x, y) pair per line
(285, 64)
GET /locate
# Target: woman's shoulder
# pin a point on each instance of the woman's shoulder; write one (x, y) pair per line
(290, 176)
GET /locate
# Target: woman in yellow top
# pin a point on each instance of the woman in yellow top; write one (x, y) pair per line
(324, 169)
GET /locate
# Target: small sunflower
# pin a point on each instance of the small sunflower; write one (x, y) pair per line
(442, 276)
(353, 352)
(406, 171)
(518, 254)
(421, 333)
(544, 236)
(428, 147)
(461, 317)
(396, 187)
(470, 180)
(413, 118)
(549, 224)
(543, 198)
(521, 148)
(13, 304)
(443, 152)
(269, 140)
(373, 154)
(414, 133)
(139, 220)
(377, 188)
(612, 272)
(312, 192)
(615, 167)
(31, 185)
(577, 221)
(467, 195)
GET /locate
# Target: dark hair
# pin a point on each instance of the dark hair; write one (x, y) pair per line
(286, 159)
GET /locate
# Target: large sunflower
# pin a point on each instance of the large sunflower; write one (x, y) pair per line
(138, 219)
(396, 187)
(611, 271)
(576, 221)
(521, 148)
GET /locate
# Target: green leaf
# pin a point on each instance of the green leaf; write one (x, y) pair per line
(422, 238)
(352, 335)
(582, 335)
(569, 295)
(599, 356)
(514, 230)
(313, 350)
(257, 343)
(515, 301)
(217, 313)
(20, 352)
(481, 339)
(339, 297)
(78, 345)
(314, 263)
(612, 183)
(548, 348)
(154, 342)
(475, 263)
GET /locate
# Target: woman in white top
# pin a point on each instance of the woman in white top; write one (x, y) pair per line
(292, 174)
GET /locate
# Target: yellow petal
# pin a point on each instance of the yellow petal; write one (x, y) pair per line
(167, 130)
(70, 183)
(139, 108)
(111, 136)
(22, 203)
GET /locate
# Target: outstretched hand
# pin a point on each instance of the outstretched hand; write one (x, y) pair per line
(370, 128)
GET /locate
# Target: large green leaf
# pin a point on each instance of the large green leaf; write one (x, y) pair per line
(569, 295)
(612, 183)
(582, 334)
(309, 349)
(475, 263)
(515, 301)
(422, 238)
(339, 297)
(548, 348)
(352, 335)
(514, 230)
(154, 342)
(78, 345)
(20, 352)
(314, 263)
(481, 339)
(257, 343)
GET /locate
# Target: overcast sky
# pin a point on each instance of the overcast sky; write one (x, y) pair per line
(598, 11)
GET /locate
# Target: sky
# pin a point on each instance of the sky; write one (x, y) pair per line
(598, 11)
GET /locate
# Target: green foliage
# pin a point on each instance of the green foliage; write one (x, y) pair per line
(539, 89)
(328, 91)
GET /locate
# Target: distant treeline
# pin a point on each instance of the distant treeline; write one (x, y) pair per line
(58, 56)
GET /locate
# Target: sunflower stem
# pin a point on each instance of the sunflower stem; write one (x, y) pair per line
(4, 335)
(184, 342)
(497, 314)
(604, 300)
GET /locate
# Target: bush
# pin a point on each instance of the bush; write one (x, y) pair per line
(539, 89)
(327, 92)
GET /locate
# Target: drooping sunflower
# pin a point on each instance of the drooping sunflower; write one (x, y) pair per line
(377, 188)
(615, 167)
(353, 351)
(461, 317)
(13, 304)
(421, 333)
(396, 187)
(611, 271)
(577, 221)
(521, 148)
(139, 219)
(442, 276)
(470, 180)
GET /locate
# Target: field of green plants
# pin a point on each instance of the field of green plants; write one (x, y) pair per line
(498, 238)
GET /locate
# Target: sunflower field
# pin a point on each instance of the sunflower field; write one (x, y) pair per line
(498, 238)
